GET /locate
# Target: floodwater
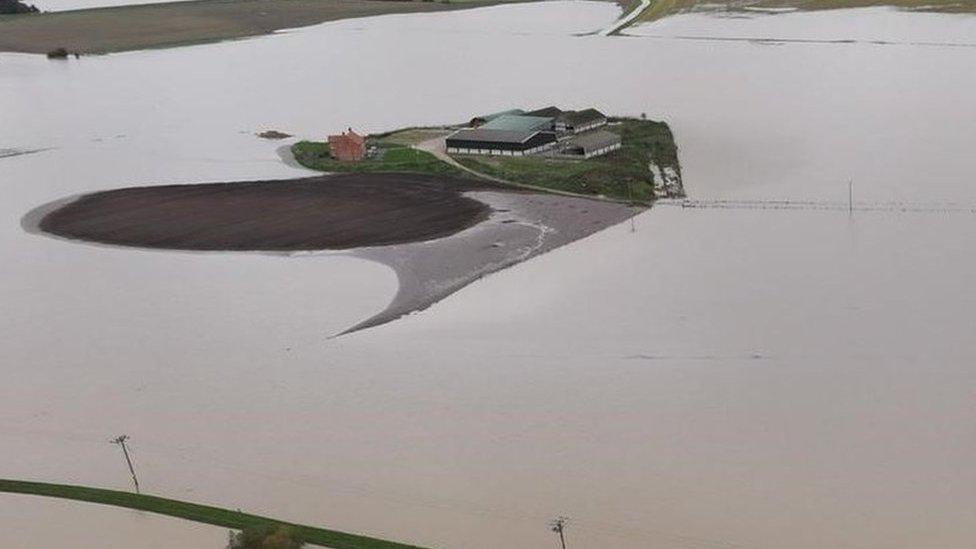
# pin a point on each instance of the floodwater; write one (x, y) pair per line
(40, 522)
(721, 377)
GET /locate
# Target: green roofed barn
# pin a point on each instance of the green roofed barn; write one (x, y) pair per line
(516, 133)
(519, 123)
(481, 120)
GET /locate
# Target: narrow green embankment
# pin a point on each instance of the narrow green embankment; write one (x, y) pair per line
(204, 514)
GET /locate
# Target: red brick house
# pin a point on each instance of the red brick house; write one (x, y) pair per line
(348, 147)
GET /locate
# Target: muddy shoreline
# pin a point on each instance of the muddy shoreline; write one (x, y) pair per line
(522, 225)
(437, 233)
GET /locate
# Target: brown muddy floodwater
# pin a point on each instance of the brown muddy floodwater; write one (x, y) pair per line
(721, 377)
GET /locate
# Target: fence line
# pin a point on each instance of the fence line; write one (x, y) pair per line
(823, 205)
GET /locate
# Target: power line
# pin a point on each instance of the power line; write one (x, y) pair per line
(408, 499)
(823, 205)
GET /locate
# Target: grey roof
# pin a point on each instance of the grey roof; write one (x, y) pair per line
(584, 116)
(519, 123)
(502, 113)
(551, 112)
(492, 136)
(594, 140)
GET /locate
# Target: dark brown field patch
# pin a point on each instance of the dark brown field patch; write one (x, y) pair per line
(316, 213)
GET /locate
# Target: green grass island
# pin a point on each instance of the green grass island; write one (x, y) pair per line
(642, 166)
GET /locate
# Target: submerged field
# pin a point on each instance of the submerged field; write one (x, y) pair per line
(145, 26)
(168, 24)
(663, 8)
(179, 23)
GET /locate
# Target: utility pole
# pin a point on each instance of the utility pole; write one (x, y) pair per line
(850, 196)
(557, 526)
(120, 440)
(630, 192)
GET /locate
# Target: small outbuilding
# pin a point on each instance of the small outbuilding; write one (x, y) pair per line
(580, 121)
(548, 112)
(348, 146)
(591, 144)
(566, 123)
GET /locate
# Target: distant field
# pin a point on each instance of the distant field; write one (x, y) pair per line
(126, 28)
(179, 23)
(664, 8)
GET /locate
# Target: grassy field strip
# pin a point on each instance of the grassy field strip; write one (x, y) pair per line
(204, 514)
(392, 157)
(144, 26)
(625, 21)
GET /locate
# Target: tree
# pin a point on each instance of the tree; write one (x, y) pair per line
(15, 6)
(267, 536)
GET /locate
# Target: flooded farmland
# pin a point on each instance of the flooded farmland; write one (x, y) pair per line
(751, 377)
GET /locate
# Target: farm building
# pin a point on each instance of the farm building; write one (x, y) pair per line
(591, 144)
(499, 142)
(516, 132)
(548, 112)
(571, 122)
(580, 121)
(482, 120)
(520, 123)
(348, 146)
